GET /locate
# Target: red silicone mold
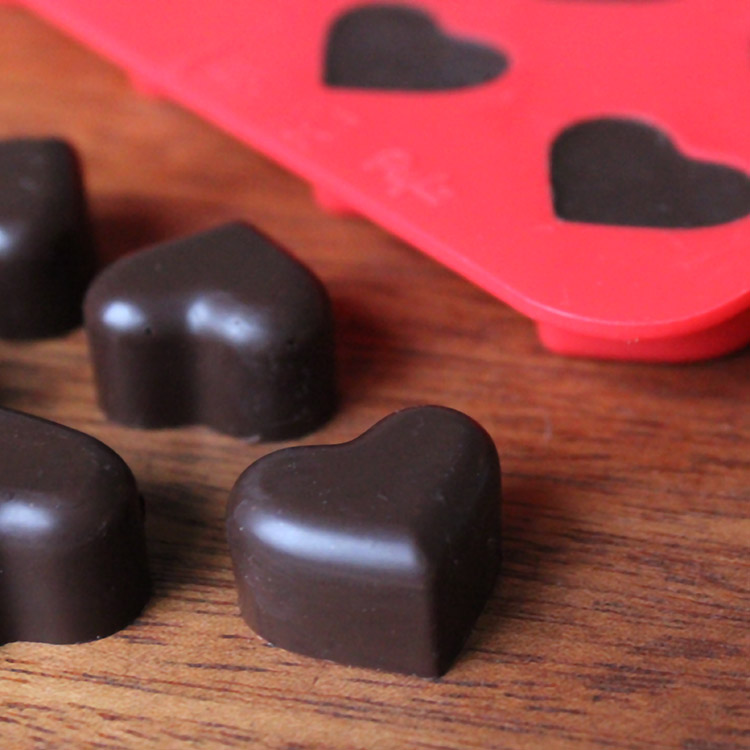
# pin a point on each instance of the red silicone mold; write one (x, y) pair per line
(464, 175)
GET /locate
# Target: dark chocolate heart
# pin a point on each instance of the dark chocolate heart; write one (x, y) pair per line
(46, 255)
(380, 552)
(399, 47)
(222, 328)
(72, 551)
(627, 173)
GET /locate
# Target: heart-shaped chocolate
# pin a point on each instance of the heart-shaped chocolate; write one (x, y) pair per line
(380, 552)
(627, 173)
(46, 255)
(398, 47)
(222, 328)
(72, 550)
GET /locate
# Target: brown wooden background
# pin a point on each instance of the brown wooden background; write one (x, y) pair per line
(622, 617)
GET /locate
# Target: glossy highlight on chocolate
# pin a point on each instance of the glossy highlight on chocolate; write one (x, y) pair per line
(380, 552)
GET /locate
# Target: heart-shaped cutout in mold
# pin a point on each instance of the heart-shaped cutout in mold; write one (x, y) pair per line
(627, 173)
(222, 328)
(380, 552)
(401, 48)
(72, 550)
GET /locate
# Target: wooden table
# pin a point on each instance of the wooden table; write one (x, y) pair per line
(622, 617)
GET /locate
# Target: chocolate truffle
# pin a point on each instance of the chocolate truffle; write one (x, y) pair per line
(72, 552)
(222, 328)
(380, 552)
(401, 48)
(46, 255)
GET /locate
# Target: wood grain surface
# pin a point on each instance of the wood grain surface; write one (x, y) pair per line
(621, 620)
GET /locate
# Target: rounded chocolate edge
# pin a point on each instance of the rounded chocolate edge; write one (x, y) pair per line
(83, 574)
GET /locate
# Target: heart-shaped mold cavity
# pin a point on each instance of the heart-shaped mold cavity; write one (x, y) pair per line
(380, 552)
(72, 551)
(46, 254)
(222, 328)
(627, 173)
(401, 48)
